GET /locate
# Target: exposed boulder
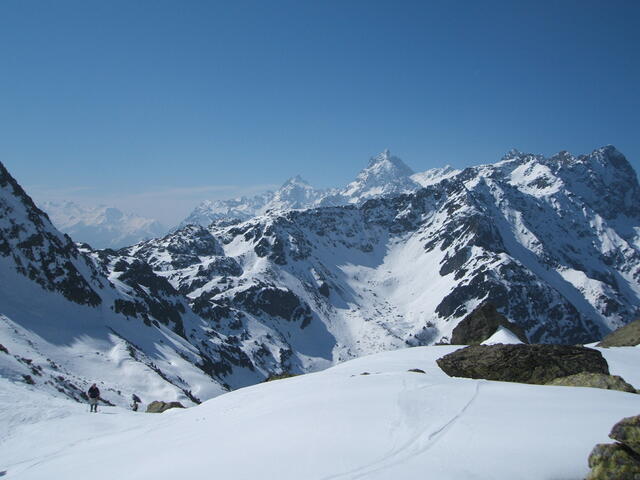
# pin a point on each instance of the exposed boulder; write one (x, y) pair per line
(627, 336)
(537, 364)
(280, 376)
(158, 407)
(594, 380)
(627, 431)
(481, 324)
(613, 461)
(618, 461)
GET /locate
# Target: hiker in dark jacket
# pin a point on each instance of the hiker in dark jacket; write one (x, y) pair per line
(94, 395)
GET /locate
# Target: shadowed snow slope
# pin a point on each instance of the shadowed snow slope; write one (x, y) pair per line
(335, 424)
(65, 321)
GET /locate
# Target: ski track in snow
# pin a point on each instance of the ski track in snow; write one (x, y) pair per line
(418, 444)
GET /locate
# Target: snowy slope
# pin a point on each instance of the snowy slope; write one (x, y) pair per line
(434, 175)
(101, 227)
(67, 321)
(336, 424)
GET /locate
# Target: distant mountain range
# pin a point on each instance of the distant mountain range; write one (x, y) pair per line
(102, 227)
(553, 243)
(385, 175)
(109, 227)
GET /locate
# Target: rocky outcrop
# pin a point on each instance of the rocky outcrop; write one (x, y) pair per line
(627, 336)
(627, 432)
(35, 249)
(618, 461)
(537, 364)
(594, 380)
(158, 406)
(481, 324)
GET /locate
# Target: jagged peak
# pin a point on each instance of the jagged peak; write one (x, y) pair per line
(384, 164)
(512, 153)
(515, 154)
(607, 156)
(296, 181)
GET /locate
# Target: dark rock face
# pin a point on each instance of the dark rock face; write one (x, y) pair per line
(537, 364)
(158, 407)
(39, 251)
(275, 302)
(627, 336)
(618, 461)
(480, 324)
(594, 380)
(184, 246)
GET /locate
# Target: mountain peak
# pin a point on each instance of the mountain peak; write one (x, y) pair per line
(385, 175)
(295, 181)
(511, 154)
(384, 161)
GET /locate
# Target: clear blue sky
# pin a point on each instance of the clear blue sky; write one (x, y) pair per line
(154, 105)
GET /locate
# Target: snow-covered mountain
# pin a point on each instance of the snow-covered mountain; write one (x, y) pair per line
(294, 193)
(552, 242)
(434, 175)
(384, 176)
(69, 317)
(102, 226)
(241, 208)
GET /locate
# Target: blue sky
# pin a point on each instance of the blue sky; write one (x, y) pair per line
(153, 106)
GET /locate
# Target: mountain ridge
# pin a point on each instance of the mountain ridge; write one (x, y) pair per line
(385, 174)
(553, 243)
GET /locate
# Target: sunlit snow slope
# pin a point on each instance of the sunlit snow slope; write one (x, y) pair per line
(337, 424)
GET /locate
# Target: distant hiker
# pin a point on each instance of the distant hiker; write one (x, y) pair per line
(94, 396)
(135, 400)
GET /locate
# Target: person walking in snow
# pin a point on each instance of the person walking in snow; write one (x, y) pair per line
(94, 396)
(135, 400)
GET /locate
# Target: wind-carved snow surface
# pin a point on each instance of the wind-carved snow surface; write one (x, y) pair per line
(101, 227)
(369, 418)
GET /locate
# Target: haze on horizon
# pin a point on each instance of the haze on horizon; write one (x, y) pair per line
(154, 106)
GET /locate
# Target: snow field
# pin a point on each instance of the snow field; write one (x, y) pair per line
(335, 424)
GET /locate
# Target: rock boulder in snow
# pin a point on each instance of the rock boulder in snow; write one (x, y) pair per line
(158, 406)
(618, 461)
(627, 336)
(537, 364)
(594, 380)
(627, 431)
(481, 324)
(613, 461)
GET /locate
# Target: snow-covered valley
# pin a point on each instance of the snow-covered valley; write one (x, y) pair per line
(367, 418)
